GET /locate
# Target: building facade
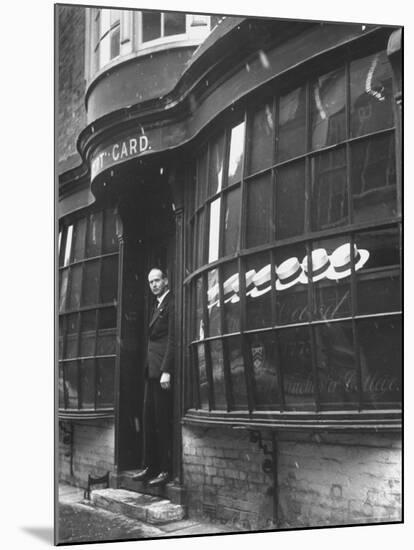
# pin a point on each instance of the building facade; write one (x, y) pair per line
(259, 162)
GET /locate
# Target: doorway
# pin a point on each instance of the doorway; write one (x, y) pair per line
(148, 241)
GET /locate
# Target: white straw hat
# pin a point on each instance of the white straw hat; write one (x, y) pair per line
(321, 265)
(289, 273)
(261, 281)
(341, 261)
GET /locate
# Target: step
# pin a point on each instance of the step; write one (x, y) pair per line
(171, 491)
(147, 508)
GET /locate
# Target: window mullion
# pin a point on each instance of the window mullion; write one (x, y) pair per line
(226, 365)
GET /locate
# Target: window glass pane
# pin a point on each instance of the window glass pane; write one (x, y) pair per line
(90, 283)
(331, 285)
(216, 163)
(105, 382)
(199, 248)
(107, 318)
(115, 36)
(94, 235)
(151, 25)
(291, 286)
(236, 153)
(292, 125)
(88, 334)
(378, 271)
(238, 379)
(174, 23)
(115, 16)
(296, 360)
(87, 381)
(214, 234)
(75, 287)
(71, 384)
(61, 388)
(106, 342)
(258, 295)
(216, 350)
(371, 94)
(213, 305)
(79, 246)
(109, 279)
(199, 329)
(110, 239)
(336, 366)
(231, 297)
(290, 200)
(71, 329)
(202, 373)
(380, 343)
(264, 357)
(202, 177)
(232, 221)
(259, 220)
(328, 109)
(61, 334)
(68, 245)
(261, 139)
(374, 192)
(63, 276)
(329, 190)
(104, 50)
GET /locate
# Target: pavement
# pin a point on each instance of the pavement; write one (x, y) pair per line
(80, 521)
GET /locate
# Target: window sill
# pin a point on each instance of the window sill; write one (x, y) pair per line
(378, 420)
(85, 414)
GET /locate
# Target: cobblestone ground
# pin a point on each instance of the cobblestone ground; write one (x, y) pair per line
(80, 522)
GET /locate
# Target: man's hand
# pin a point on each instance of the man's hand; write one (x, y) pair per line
(165, 380)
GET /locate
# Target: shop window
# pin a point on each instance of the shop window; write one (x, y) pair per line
(261, 138)
(291, 132)
(259, 211)
(301, 311)
(265, 362)
(374, 189)
(88, 278)
(290, 200)
(329, 190)
(328, 117)
(371, 94)
(217, 365)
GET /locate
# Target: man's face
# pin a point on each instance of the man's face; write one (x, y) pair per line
(158, 284)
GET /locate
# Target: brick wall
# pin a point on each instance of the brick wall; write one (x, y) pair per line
(93, 451)
(71, 118)
(324, 479)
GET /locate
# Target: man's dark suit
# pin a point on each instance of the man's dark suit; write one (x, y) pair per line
(158, 401)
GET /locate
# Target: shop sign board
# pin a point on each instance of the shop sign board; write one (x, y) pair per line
(119, 151)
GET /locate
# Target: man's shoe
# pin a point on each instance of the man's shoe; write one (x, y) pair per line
(141, 474)
(161, 479)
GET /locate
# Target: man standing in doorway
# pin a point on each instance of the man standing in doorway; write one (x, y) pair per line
(157, 394)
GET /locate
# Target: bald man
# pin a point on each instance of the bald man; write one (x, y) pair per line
(157, 395)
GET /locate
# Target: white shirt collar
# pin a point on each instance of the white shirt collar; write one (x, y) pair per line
(161, 298)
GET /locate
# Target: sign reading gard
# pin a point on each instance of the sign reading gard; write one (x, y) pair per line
(117, 152)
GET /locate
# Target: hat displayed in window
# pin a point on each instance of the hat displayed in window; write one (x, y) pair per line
(249, 281)
(231, 285)
(321, 265)
(212, 296)
(341, 260)
(261, 281)
(289, 273)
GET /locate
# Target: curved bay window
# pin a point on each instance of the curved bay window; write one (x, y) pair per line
(293, 253)
(88, 283)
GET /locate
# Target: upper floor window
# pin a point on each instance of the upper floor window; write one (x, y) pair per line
(119, 33)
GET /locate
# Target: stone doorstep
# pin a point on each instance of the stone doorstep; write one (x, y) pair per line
(147, 508)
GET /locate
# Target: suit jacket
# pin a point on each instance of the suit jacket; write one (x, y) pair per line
(160, 353)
